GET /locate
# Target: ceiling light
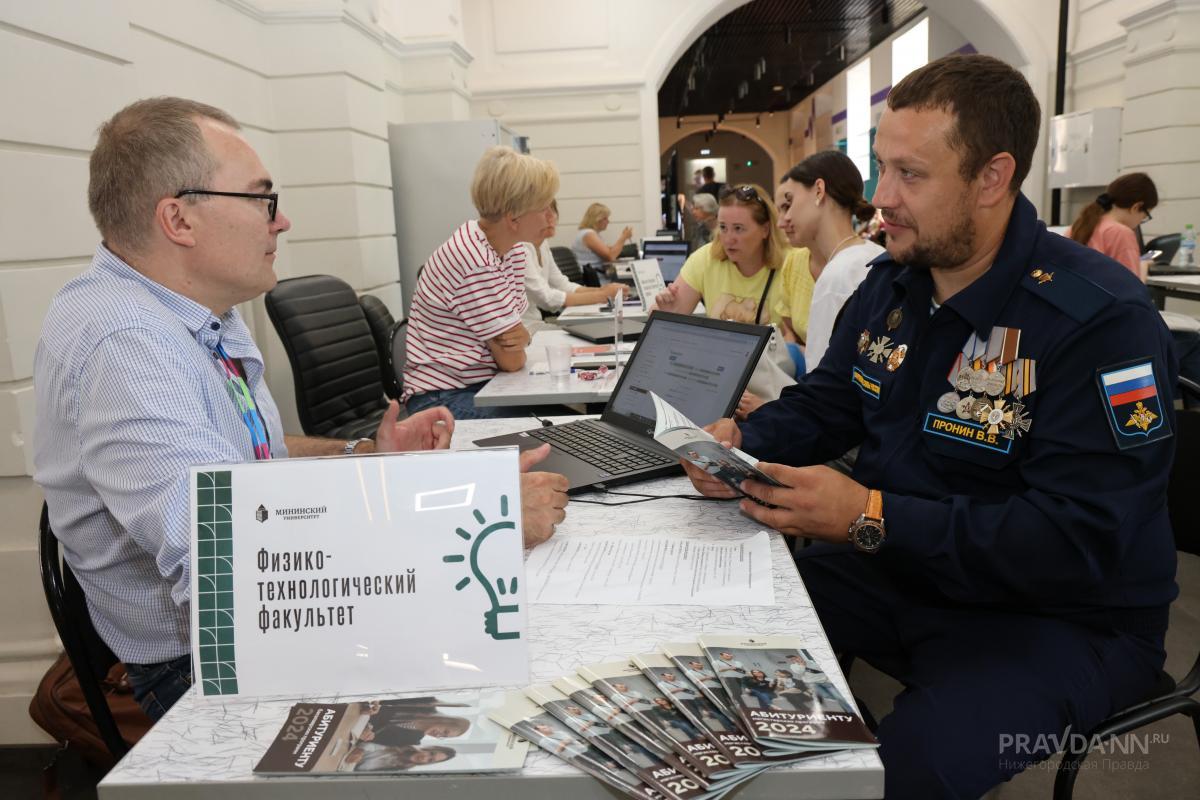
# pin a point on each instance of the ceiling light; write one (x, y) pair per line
(705, 151)
(777, 88)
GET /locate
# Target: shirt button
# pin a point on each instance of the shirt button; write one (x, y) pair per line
(216, 326)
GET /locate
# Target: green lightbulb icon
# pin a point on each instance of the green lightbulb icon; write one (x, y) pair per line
(491, 623)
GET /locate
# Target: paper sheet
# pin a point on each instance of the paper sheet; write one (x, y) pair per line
(651, 570)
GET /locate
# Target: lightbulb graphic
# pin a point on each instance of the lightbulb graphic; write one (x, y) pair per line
(491, 625)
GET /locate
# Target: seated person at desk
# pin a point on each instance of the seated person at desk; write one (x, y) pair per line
(547, 289)
(145, 368)
(744, 274)
(465, 320)
(1108, 223)
(1003, 547)
(588, 247)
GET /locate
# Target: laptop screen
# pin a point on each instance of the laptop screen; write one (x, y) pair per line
(670, 257)
(696, 364)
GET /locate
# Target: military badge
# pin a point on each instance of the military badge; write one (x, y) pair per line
(896, 358)
(864, 339)
(1133, 405)
(880, 349)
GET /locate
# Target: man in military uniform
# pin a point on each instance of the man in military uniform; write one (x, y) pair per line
(1002, 547)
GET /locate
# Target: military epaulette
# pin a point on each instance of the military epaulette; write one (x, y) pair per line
(1069, 292)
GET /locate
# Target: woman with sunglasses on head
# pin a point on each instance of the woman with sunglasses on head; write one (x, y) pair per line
(1107, 223)
(742, 275)
(818, 201)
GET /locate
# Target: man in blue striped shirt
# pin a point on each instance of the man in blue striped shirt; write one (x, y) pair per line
(145, 368)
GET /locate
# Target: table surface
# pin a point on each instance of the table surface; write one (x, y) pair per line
(208, 748)
(1188, 282)
(533, 385)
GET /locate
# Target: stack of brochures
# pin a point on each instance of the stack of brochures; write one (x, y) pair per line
(694, 720)
(435, 733)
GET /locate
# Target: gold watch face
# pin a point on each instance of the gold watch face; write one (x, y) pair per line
(867, 535)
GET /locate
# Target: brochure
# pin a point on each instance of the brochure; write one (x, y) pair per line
(435, 733)
(525, 718)
(624, 684)
(605, 737)
(781, 694)
(680, 435)
(596, 355)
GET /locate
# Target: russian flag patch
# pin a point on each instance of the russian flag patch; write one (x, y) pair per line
(1133, 404)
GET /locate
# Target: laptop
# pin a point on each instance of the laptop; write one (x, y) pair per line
(699, 365)
(601, 331)
(670, 257)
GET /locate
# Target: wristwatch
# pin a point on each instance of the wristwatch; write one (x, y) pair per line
(353, 443)
(867, 532)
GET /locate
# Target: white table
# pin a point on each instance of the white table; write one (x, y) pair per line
(202, 750)
(533, 385)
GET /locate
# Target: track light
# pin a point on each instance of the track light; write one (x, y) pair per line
(758, 120)
(678, 122)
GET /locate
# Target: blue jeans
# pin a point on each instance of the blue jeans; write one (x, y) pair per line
(157, 687)
(461, 403)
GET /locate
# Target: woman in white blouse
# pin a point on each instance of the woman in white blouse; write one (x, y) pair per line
(545, 285)
(820, 195)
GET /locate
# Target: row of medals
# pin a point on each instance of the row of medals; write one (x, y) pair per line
(978, 381)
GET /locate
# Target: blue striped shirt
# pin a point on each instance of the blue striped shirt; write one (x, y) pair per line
(129, 396)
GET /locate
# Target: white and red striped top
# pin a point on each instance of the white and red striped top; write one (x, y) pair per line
(466, 294)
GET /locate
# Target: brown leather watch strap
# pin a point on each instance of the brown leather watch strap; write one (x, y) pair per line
(874, 508)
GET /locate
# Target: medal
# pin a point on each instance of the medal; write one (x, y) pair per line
(995, 416)
(896, 358)
(864, 339)
(1020, 421)
(894, 318)
(978, 380)
(948, 402)
(963, 383)
(880, 349)
(995, 384)
(965, 408)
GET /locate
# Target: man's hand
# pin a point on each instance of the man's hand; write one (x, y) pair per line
(430, 429)
(747, 405)
(515, 338)
(817, 502)
(726, 432)
(543, 498)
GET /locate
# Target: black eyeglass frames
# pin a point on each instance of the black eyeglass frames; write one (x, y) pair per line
(272, 198)
(746, 193)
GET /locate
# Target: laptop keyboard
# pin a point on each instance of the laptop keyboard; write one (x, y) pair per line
(592, 443)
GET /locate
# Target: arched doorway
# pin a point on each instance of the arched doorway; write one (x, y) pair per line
(736, 158)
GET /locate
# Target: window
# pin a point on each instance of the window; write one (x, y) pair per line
(910, 50)
(858, 116)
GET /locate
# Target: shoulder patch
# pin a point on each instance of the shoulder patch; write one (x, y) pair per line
(1133, 405)
(1069, 292)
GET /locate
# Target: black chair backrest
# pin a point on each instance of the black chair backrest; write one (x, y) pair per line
(381, 322)
(1168, 244)
(630, 250)
(1185, 477)
(335, 364)
(568, 265)
(398, 352)
(89, 655)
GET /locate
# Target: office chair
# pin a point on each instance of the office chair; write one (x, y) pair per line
(1189, 394)
(1168, 697)
(1168, 244)
(89, 655)
(335, 363)
(568, 265)
(398, 353)
(381, 322)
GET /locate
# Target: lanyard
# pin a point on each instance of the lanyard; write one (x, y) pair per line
(235, 384)
(763, 300)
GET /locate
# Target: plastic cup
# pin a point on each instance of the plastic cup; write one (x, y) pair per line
(558, 357)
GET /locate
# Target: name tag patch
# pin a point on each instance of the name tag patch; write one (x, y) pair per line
(1132, 402)
(869, 386)
(971, 433)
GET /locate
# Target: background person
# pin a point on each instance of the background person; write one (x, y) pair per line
(1108, 223)
(588, 247)
(545, 285)
(704, 220)
(465, 320)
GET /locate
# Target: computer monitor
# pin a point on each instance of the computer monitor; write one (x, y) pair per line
(670, 257)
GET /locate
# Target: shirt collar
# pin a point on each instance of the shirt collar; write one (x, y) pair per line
(980, 303)
(205, 326)
(494, 259)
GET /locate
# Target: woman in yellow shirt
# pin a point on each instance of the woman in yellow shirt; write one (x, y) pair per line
(740, 274)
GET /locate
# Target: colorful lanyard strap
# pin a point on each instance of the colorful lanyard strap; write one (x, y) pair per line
(235, 384)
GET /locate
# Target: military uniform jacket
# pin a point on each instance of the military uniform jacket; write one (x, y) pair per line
(1049, 495)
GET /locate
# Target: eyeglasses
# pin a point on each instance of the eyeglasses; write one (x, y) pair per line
(272, 198)
(1148, 216)
(746, 193)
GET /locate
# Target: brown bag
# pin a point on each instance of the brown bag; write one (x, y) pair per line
(59, 708)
